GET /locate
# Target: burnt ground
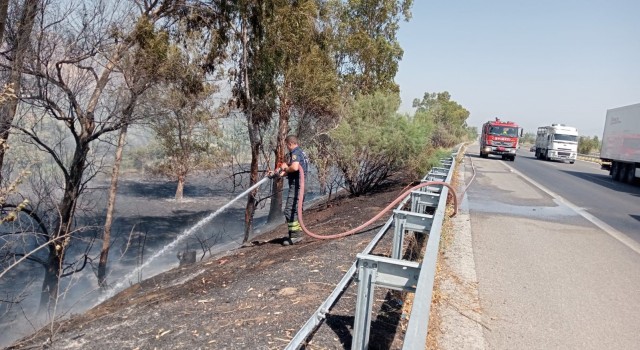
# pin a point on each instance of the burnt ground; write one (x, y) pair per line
(255, 297)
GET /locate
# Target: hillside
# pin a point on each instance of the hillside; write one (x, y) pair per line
(255, 297)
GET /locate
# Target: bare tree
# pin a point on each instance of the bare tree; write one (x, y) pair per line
(187, 130)
(25, 26)
(148, 63)
(73, 64)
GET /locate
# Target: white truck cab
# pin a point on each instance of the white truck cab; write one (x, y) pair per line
(557, 142)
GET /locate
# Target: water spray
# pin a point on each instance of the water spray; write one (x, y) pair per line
(178, 239)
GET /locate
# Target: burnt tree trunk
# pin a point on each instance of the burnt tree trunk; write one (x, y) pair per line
(275, 207)
(106, 236)
(63, 228)
(52, 270)
(254, 135)
(180, 189)
(250, 208)
(4, 7)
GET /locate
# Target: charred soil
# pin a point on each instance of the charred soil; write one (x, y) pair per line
(255, 297)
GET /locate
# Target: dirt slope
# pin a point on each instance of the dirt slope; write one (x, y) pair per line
(255, 297)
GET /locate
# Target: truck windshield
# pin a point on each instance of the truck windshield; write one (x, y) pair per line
(565, 138)
(503, 131)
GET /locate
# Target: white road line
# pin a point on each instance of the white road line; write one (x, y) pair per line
(621, 237)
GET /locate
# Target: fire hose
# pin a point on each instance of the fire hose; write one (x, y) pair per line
(376, 217)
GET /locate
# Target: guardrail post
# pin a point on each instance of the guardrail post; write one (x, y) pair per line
(398, 235)
(420, 201)
(386, 272)
(364, 303)
(407, 221)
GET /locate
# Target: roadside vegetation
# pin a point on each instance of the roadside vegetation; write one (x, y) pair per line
(528, 138)
(588, 145)
(170, 89)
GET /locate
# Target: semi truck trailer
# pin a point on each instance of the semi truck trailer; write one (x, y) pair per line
(620, 150)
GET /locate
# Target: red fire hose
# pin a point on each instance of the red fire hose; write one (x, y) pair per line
(372, 220)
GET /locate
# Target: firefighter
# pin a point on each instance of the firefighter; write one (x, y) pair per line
(295, 159)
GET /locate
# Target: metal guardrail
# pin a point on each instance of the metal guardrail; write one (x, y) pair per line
(320, 314)
(416, 335)
(393, 272)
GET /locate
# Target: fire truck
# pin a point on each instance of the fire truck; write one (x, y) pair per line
(499, 138)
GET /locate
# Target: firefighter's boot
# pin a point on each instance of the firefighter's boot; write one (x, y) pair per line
(295, 233)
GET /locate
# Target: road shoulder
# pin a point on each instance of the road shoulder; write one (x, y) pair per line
(459, 316)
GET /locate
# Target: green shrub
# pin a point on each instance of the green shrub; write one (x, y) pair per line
(587, 144)
(372, 141)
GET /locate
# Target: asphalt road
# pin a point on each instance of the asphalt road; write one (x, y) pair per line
(587, 186)
(557, 260)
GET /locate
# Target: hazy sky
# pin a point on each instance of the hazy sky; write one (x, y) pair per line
(532, 62)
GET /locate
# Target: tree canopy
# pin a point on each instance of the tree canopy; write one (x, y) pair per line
(448, 116)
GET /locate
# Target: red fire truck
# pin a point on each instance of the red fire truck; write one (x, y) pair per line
(500, 138)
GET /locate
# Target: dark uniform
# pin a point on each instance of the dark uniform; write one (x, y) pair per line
(291, 204)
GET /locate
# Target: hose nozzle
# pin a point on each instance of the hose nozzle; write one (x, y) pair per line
(273, 175)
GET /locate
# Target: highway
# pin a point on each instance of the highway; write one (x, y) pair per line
(556, 254)
(587, 186)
